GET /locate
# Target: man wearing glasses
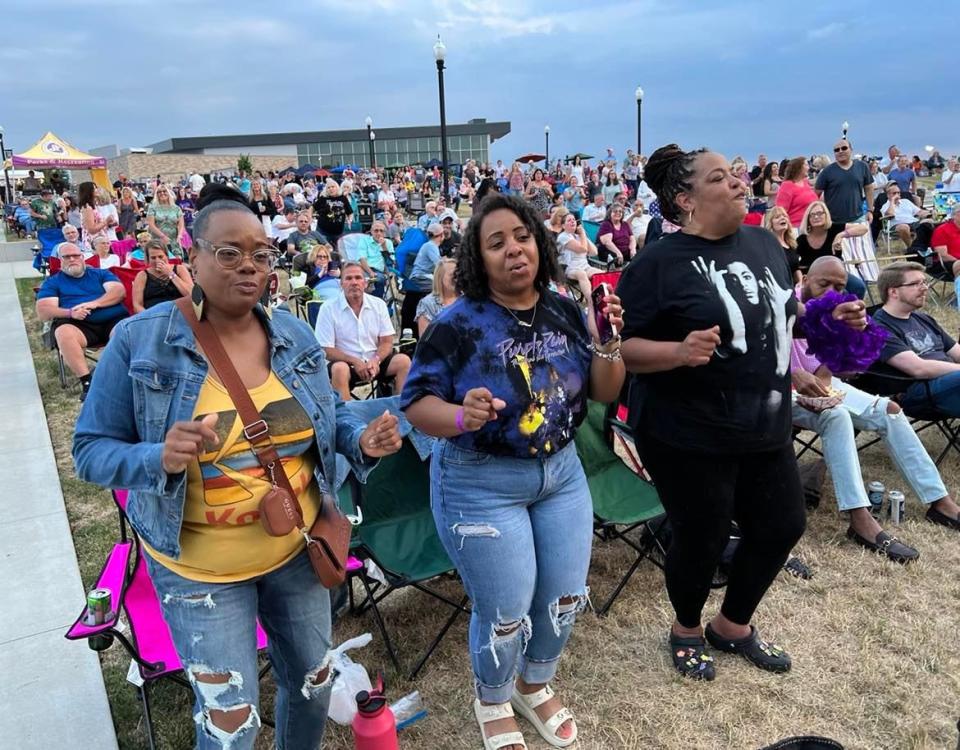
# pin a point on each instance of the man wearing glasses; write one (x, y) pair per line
(917, 348)
(844, 184)
(84, 305)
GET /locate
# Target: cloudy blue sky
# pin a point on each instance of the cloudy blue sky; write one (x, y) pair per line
(738, 76)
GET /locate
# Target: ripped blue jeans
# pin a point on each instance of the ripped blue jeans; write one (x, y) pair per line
(213, 627)
(519, 531)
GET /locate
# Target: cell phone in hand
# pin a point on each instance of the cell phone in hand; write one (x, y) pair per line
(605, 330)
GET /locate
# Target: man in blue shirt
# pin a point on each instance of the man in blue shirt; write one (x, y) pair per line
(421, 275)
(906, 178)
(84, 304)
(420, 281)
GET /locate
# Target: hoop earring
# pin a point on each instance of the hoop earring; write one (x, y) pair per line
(196, 299)
(690, 217)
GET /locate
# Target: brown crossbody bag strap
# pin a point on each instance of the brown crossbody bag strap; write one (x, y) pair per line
(328, 539)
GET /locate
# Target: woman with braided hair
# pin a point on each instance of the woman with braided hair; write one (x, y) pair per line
(708, 320)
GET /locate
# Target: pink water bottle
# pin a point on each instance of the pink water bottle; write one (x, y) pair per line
(374, 726)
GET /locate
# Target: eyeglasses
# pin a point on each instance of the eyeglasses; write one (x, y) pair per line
(921, 284)
(228, 257)
(841, 148)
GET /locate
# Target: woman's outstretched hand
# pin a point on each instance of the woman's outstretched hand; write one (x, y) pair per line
(382, 436)
(854, 314)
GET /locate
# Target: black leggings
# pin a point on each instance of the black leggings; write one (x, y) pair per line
(701, 494)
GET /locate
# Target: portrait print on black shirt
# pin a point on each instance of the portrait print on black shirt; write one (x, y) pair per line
(740, 400)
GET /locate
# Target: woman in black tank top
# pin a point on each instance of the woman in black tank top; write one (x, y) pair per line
(159, 281)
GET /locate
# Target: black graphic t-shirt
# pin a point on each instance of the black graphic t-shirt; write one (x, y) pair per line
(331, 213)
(739, 401)
(541, 372)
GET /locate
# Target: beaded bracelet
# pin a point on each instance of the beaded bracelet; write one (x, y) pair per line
(611, 356)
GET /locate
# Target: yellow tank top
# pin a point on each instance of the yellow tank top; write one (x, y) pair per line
(222, 539)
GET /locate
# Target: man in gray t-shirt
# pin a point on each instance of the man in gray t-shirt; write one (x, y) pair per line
(844, 184)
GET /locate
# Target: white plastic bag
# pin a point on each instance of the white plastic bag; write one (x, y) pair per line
(349, 678)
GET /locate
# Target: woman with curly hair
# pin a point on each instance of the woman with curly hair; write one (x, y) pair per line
(539, 193)
(708, 327)
(502, 376)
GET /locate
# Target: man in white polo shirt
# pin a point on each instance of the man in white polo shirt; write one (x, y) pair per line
(904, 214)
(356, 334)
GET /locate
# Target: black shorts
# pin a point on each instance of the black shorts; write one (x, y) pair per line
(96, 334)
(355, 379)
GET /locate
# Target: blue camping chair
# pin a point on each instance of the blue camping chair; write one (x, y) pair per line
(592, 230)
(47, 240)
(407, 250)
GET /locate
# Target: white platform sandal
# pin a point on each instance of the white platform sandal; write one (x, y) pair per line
(526, 706)
(486, 714)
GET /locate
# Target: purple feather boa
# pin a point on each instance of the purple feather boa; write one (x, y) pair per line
(838, 346)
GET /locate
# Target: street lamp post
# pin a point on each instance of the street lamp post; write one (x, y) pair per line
(6, 175)
(546, 135)
(639, 95)
(439, 53)
(846, 126)
(370, 137)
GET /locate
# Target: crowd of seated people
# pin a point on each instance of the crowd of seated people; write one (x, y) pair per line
(312, 227)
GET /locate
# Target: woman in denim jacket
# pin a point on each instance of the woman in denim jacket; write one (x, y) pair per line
(159, 423)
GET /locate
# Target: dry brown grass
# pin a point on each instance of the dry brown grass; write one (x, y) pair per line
(875, 664)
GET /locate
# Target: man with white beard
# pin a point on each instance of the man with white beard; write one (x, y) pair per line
(84, 304)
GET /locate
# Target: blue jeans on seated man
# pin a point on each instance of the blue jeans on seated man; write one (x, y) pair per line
(940, 394)
(856, 285)
(519, 531)
(864, 411)
(379, 283)
(213, 627)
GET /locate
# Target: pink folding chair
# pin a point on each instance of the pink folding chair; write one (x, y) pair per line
(149, 643)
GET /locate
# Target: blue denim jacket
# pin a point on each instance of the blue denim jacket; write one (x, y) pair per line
(149, 377)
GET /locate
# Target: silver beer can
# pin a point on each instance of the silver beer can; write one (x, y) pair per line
(896, 503)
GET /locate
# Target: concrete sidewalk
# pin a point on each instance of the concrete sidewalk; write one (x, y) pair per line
(51, 689)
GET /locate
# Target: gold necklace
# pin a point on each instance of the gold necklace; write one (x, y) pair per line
(523, 323)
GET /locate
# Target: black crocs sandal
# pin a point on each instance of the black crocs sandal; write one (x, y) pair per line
(754, 649)
(690, 657)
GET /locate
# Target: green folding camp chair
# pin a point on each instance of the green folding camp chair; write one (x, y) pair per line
(397, 532)
(623, 500)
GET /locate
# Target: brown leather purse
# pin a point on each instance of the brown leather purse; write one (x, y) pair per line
(328, 539)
